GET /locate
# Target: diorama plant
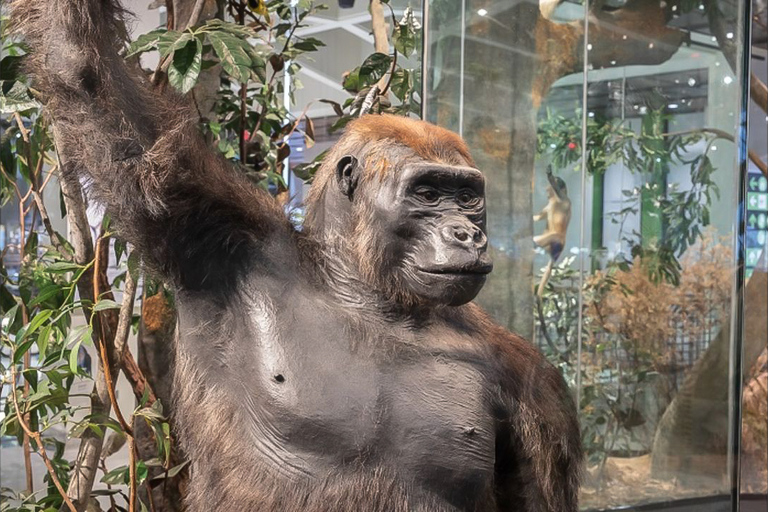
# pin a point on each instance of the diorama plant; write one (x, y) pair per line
(56, 298)
(631, 301)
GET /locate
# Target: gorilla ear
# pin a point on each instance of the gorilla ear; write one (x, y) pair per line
(347, 175)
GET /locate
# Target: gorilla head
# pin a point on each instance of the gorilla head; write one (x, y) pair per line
(407, 199)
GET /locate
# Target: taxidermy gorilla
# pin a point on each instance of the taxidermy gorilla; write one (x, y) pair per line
(338, 368)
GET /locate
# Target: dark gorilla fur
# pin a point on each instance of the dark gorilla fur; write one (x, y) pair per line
(311, 375)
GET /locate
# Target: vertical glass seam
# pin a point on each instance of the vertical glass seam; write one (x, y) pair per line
(461, 67)
(737, 305)
(424, 56)
(582, 216)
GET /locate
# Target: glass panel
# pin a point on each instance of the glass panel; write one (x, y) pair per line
(639, 309)
(490, 64)
(661, 300)
(754, 445)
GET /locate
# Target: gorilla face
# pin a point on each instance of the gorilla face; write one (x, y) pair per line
(429, 223)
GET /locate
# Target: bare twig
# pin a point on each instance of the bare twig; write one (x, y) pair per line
(131, 468)
(759, 92)
(44, 217)
(39, 442)
(727, 136)
(196, 11)
(545, 331)
(102, 243)
(22, 128)
(27, 449)
(126, 314)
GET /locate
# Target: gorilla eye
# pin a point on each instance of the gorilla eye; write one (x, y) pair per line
(428, 195)
(467, 198)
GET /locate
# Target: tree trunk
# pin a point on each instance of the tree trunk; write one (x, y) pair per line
(691, 441)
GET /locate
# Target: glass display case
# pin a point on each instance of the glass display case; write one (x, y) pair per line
(627, 225)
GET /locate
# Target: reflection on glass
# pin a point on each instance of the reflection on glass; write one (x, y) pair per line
(636, 303)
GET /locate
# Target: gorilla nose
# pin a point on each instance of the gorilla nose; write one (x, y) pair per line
(465, 235)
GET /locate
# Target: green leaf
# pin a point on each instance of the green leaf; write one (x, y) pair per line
(17, 99)
(61, 267)
(106, 304)
(36, 322)
(171, 472)
(308, 44)
(352, 81)
(46, 293)
(231, 28)
(141, 472)
(402, 84)
(172, 41)
(232, 54)
(9, 67)
(73, 358)
(43, 338)
(185, 68)
(374, 67)
(21, 350)
(404, 40)
(147, 42)
(117, 476)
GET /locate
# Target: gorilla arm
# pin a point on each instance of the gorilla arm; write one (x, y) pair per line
(177, 201)
(539, 456)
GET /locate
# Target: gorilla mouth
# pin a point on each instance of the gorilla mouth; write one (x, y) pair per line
(479, 269)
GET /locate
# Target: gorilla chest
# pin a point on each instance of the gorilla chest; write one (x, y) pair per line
(327, 398)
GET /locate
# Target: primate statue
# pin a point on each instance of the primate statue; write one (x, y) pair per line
(557, 213)
(340, 367)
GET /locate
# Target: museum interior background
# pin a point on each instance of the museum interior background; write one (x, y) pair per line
(656, 309)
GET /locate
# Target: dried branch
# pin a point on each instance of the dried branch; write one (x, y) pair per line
(759, 93)
(727, 136)
(126, 315)
(44, 217)
(132, 469)
(99, 266)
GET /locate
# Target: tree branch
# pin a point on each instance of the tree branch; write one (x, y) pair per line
(379, 27)
(39, 442)
(759, 92)
(86, 464)
(636, 34)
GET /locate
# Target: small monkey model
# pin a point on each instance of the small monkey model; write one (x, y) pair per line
(557, 213)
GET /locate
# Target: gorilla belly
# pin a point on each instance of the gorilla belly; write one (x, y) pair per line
(319, 402)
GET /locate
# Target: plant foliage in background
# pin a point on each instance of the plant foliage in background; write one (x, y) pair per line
(630, 307)
(650, 152)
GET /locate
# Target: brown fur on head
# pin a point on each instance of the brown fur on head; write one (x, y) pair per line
(383, 145)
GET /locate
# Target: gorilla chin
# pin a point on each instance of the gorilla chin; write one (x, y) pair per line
(453, 286)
